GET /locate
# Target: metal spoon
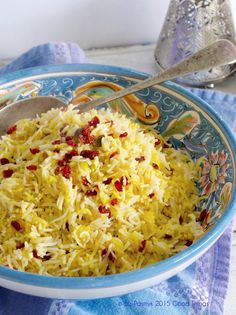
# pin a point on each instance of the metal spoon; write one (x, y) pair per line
(219, 53)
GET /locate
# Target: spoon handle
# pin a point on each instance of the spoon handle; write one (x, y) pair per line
(219, 53)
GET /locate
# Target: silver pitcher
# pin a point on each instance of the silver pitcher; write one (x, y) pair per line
(189, 26)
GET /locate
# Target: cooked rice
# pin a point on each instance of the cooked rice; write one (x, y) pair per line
(50, 224)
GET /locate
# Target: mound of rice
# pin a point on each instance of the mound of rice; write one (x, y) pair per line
(92, 194)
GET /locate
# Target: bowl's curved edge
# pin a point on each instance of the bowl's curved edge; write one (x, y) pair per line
(148, 272)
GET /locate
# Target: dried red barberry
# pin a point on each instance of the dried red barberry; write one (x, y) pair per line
(62, 162)
(56, 150)
(157, 142)
(46, 257)
(85, 182)
(70, 141)
(90, 154)
(112, 257)
(124, 134)
(142, 246)
(90, 139)
(68, 138)
(7, 173)
(154, 165)
(114, 201)
(140, 159)
(85, 136)
(66, 171)
(85, 131)
(4, 161)
(34, 150)
(56, 142)
(35, 254)
(107, 181)
(68, 156)
(16, 225)
(11, 129)
(94, 122)
(91, 193)
(151, 195)
(103, 209)
(73, 153)
(104, 253)
(118, 185)
(31, 167)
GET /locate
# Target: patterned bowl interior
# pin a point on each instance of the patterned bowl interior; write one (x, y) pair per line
(165, 107)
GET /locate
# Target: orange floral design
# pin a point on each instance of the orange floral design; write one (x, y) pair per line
(147, 113)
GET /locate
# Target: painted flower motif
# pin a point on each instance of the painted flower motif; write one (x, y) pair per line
(147, 113)
(183, 125)
(213, 172)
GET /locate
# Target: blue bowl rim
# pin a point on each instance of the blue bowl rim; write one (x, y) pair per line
(150, 271)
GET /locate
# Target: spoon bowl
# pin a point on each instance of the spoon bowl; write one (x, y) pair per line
(27, 108)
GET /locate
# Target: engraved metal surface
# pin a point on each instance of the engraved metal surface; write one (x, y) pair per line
(191, 25)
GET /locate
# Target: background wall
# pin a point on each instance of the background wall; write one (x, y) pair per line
(90, 23)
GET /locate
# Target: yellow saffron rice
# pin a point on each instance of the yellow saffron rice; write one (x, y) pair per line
(92, 194)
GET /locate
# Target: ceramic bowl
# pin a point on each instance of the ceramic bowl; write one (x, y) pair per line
(186, 120)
